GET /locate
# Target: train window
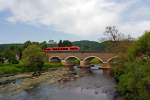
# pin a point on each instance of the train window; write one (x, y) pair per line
(54, 48)
(72, 48)
(62, 48)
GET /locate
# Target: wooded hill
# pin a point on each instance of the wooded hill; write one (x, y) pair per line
(85, 45)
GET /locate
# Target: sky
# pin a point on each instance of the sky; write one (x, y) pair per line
(43, 20)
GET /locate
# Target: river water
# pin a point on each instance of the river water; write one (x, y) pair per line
(96, 86)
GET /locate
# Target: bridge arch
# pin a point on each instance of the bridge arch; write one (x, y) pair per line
(74, 61)
(110, 59)
(54, 57)
(92, 57)
(71, 57)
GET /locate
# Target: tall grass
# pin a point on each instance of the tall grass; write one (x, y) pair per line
(20, 68)
(11, 69)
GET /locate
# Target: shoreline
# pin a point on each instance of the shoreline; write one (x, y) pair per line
(61, 77)
(28, 82)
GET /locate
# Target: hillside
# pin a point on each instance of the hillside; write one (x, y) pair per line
(86, 45)
(4, 47)
(121, 46)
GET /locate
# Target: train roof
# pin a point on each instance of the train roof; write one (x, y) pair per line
(63, 47)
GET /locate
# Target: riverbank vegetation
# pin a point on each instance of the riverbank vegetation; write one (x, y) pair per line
(19, 68)
(27, 58)
(133, 72)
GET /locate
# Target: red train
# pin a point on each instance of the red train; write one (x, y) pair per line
(71, 48)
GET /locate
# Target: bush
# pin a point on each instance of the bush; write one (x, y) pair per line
(11, 68)
(33, 58)
(134, 84)
(52, 65)
(134, 79)
(118, 66)
(141, 47)
(14, 61)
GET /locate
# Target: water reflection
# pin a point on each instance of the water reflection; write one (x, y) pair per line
(94, 69)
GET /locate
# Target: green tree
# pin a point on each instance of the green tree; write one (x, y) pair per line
(134, 81)
(67, 43)
(141, 47)
(26, 44)
(60, 44)
(44, 44)
(64, 43)
(33, 58)
(51, 42)
(17, 51)
(1, 58)
(36, 43)
(10, 55)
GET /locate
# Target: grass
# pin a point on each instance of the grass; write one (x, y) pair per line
(18, 68)
(11, 68)
(52, 65)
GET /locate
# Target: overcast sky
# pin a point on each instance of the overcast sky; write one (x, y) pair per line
(40, 20)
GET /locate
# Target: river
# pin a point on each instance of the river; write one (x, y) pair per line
(96, 86)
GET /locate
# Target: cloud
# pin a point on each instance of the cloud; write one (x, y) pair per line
(78, 17)
(135, 28)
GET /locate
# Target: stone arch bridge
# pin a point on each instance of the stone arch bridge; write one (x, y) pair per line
(83, 57)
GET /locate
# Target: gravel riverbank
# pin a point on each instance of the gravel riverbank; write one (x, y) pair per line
(25, 81)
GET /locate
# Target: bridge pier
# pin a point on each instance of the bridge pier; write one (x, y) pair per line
(106, 65)
(67, 65)
(64, 62)
(82, 63)
(84, 67)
